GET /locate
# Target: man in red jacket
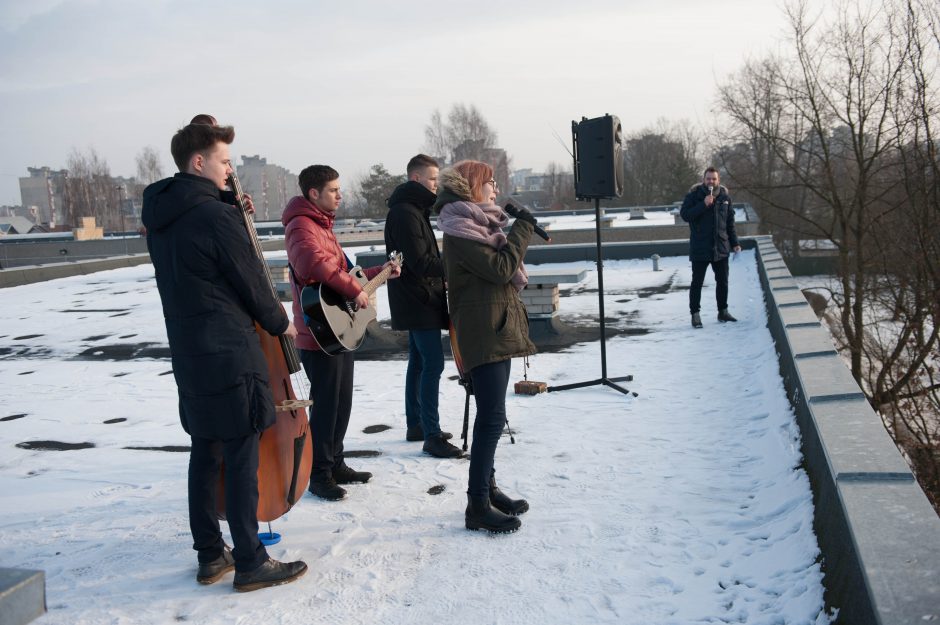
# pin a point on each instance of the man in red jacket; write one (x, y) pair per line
(316, 257)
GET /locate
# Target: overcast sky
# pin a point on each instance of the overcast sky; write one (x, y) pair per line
(354, 83)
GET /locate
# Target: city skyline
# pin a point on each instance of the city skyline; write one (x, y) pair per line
(354, 85)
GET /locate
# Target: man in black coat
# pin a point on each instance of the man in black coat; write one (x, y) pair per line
(213, 288)
(707, 208)
(418, 303)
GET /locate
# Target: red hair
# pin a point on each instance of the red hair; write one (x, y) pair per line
(477, 174)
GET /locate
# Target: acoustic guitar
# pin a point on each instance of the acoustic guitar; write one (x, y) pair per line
(336, 323)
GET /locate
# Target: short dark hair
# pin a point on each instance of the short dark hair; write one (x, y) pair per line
(194, 138)
(315, 177)
(204, 118)
(711, 170)
(421, 161)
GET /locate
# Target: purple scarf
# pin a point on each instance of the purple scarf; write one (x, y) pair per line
(482, 223)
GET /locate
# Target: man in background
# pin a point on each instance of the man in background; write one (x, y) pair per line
(708, 211)
(418, 303)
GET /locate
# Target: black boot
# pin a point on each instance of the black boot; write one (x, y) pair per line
(503, 503)
(696, 320)
(327, 488)
(343, 474)
(480, 515)
(416, 433)
(724, 315)
(438, 447)
(211, 572)
(271, 573)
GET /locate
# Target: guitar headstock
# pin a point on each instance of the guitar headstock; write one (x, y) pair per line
(397, 258)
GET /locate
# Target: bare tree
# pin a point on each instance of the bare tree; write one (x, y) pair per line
(149, 169)
(660, 164)
(465, 135)
(837, 141)
(435, 137)
(468, 133)
(559, 186)
(90, 190)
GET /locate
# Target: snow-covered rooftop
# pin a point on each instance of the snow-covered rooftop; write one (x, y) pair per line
(686, 504)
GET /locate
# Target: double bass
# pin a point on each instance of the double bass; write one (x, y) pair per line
(285, 450)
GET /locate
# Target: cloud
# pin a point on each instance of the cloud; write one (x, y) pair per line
(352, 83)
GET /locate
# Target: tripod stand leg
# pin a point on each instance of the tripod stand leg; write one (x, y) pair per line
(466, 417)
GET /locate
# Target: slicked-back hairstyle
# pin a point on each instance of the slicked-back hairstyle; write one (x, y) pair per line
(315, 177)
(477, 174)
(711, 169)
(200, 138)
(419, 162)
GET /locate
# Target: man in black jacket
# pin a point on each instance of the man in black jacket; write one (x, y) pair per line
(213, 288)
(418, 303)
(707, 208)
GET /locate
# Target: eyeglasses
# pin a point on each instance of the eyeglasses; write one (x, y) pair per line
(492, 183)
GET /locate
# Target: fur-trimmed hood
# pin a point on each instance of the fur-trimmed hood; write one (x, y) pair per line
(453, 188)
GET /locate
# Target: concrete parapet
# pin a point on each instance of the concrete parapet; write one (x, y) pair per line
(879, 536)
(41, 273)
(22, 596)
(278, 268)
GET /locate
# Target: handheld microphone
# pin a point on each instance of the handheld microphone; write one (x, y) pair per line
(513, 210)
(711, 189)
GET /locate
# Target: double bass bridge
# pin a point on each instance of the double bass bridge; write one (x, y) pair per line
(292, 404)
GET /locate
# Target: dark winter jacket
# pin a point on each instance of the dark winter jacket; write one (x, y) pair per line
(488, 314)
(416, 298)
(316, 257)
(213, 288)
(712, 235)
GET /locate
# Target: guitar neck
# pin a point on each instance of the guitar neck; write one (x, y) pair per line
(372, 285)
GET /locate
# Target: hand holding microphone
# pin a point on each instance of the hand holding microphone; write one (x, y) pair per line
(524, 214)
(710, 198)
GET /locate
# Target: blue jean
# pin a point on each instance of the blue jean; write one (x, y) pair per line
(489, 390)
(423, 380)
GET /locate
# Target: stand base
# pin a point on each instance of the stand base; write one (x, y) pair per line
(598, 382)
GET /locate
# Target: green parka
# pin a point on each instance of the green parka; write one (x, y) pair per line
(486, 310)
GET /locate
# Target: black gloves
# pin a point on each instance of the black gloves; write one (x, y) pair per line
(520, 212)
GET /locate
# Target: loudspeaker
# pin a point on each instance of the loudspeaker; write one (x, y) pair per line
(598, 157)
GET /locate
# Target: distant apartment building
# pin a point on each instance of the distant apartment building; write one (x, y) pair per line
(53, 199)
(43, 189)
(518, 177)
(498, 159)
(270, 186)
(130, 193)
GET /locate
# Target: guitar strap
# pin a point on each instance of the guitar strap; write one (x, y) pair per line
(300, 287)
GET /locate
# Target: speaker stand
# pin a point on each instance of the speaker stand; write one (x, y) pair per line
(603, 380)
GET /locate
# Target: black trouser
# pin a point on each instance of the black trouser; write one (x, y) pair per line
(489, 390)
(331, 387)
(720, 269)
(241, 499)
